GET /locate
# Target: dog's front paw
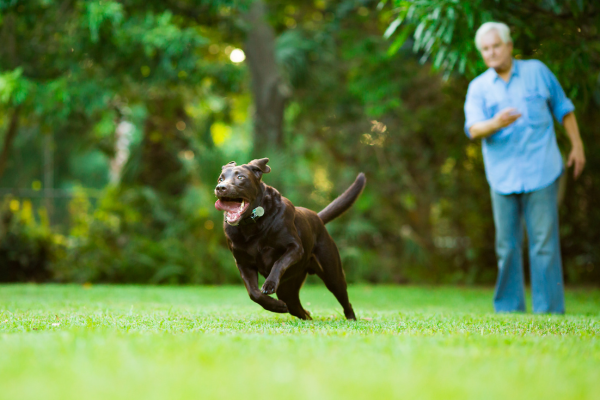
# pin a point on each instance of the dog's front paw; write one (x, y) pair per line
(281, 307)
(269, 287)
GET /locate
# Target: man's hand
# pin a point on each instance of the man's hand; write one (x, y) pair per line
(577, 159)
(576, 156)
(488, 127)
(506, 117)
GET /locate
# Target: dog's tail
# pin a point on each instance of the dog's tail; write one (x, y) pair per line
(345, 201)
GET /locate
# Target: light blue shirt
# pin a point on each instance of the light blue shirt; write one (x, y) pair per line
(524, 156)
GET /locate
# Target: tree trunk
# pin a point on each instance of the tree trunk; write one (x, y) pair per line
(11, 132)
(49, 174)
(269, 90)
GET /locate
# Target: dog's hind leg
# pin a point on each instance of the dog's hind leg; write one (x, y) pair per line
(332, 274)
(289, 292)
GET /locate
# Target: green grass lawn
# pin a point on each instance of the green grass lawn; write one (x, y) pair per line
(128, 342)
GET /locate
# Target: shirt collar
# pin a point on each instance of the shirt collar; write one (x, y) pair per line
(514, 71)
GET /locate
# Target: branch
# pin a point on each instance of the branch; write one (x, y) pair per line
(11, 133)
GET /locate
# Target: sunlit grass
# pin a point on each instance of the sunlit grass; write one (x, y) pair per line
(117, 342)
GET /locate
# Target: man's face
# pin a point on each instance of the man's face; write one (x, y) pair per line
(496, 54)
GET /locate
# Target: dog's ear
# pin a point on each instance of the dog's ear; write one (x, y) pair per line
(260, 167)
(229, 165)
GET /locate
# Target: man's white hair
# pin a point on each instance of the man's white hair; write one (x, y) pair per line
(502, 29)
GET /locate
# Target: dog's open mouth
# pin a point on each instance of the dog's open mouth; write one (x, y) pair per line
(234, 208)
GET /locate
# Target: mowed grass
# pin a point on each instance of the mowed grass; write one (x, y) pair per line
(128, 342)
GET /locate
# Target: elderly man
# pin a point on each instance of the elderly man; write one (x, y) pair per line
(510, 107)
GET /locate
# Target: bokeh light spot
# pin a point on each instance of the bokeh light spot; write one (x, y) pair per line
(14, 205)
(237, 56)
(188, 154)
(290, 23)
(220, 133)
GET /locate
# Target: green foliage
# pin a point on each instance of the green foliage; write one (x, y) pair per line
(358, 102)
(88, 67)
(12, 87)
(132, 235)
(421, 217)
(27, 245)
(444, 31)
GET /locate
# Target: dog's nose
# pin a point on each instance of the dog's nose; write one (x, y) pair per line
(220, 188)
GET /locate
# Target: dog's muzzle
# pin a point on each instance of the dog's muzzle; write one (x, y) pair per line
(234, 208)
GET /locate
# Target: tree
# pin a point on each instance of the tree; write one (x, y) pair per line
(269, 90)
(326, 87)
(78, 69)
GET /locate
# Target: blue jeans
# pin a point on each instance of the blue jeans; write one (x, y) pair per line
(539, 209)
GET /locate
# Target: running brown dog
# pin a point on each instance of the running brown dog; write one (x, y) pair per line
(268, 235)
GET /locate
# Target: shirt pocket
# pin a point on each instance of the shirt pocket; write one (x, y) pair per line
(492, 106)
(538, 112)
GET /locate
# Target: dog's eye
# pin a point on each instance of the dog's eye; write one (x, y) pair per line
(240, 177)
(220, 179)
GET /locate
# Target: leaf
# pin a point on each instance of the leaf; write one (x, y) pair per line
(400, 39)
(419, 30)
(462, 64)
(439, 57)
(392, 28)
(470, 18)
(447, 38)
(9, 82)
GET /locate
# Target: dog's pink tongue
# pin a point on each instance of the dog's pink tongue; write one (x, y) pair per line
(227, 205)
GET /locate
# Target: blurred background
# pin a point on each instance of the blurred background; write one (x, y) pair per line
(116, 117)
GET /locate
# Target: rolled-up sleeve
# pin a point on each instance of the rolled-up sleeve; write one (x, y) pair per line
(474, 107)
(560, 104)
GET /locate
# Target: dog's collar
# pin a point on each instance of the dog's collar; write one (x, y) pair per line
(256, 214)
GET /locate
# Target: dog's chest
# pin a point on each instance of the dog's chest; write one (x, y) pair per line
(263, 257)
